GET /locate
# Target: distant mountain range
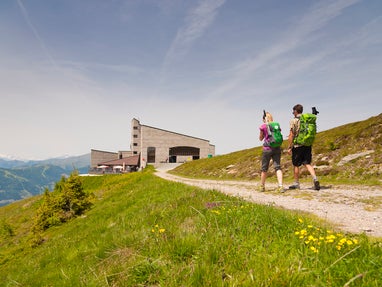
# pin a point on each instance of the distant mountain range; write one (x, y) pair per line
(20, 179)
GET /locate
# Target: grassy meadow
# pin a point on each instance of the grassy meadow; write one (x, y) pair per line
(146, 231)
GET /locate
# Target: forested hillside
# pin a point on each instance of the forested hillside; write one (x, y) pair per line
(23, 179)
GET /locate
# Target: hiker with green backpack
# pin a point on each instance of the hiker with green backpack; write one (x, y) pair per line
(270, 132)
(301, 136)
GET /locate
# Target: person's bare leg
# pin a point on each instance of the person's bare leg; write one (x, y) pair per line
(296, 174)
(279, 175)
(263, 178)
(312, 172)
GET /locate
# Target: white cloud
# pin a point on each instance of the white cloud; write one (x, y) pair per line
(296, 36)
(196, 23)
(213, 87)
(36, 34)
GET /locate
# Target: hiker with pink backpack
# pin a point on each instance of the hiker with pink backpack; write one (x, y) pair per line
(270, 132)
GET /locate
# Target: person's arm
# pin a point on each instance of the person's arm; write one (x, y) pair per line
(290, 138)
(261, 136)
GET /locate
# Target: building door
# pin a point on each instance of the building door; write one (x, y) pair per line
(183, 151)
(151, 154)
(172, 159)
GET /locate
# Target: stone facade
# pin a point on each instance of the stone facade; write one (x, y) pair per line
(157, 145)
(99, 156)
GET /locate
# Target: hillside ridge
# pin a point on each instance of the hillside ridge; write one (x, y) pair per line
(350, 153)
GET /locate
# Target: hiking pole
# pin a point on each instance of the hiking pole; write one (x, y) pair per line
(267, 123)
(265, 116)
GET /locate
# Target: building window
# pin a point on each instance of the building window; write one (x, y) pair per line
(135, 128)
(135, 144)
(151, 154)
(135, 136)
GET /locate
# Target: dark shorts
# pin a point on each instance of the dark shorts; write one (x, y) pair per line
(275, 155)
(301, 155)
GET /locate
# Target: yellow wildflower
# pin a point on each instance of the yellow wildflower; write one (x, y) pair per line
(314, 249)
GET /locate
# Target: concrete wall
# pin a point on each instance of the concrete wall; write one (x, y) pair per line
(124, 154)
(164, 140)
(98, 156)
(135, 142)
(143, 137)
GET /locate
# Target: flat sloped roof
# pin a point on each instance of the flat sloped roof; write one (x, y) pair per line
(174, 133)
(131, 160)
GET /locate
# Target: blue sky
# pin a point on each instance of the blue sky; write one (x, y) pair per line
(74, 73)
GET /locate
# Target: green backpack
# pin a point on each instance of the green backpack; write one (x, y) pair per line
(308, 129)
(275, 138)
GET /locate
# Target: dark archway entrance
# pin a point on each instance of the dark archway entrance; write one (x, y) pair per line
(185, 151)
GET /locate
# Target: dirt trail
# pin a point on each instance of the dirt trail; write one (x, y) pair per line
(356, 210)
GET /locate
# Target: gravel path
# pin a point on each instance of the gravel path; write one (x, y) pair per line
(356, 210)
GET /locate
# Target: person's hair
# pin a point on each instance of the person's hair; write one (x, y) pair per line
(268, 117)
(298, 108)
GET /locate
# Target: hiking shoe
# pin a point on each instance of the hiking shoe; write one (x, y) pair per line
(281, 189)
(261, 188)
(317, 185)
(294, 186)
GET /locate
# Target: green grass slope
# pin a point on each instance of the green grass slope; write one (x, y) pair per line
(146, 231)
(360, 141)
